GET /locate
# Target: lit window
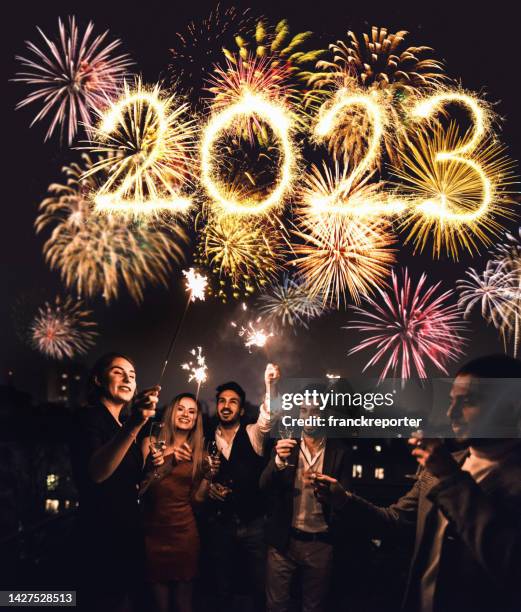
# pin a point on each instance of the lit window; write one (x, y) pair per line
(64, 375)
(77, 377)
(52, 506)
(355, 447)
(52, 482)
(64, 388)
(379, 473)
(378, 448)
(357, 470)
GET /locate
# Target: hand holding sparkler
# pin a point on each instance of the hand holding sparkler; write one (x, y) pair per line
(144, 406)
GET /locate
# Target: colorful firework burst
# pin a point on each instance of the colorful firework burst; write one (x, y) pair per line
(409, 328)
(72, 77)
(147, 142)
(458, 201)
(278, 44)
(242, 254)
(379, 65)
(257, 76)
(289, 303)
(342, 255)
(492, 290)
(97, 253)
(63, 329)
(198, 48)
(508, 255)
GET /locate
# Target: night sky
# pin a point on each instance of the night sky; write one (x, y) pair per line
(481, 47)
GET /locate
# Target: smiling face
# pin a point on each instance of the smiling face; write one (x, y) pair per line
(118, 382)
(465, 408)
(184, 415)
(229, 408)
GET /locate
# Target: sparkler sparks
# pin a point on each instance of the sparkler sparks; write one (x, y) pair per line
(279, 120)
(253, 335)
(62, 329)
(195, 284)
(410, 327)
(458, 201)
(96, 254)
(198, 371)
(289, 303)
(72, 77)
(147, 140)
(342, 255)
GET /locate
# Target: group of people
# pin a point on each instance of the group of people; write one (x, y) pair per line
(150, 502)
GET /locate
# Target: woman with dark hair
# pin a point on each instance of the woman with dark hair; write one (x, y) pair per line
(171, 535)
(108, 466)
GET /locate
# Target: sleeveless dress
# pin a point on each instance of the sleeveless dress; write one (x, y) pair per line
(171, 535)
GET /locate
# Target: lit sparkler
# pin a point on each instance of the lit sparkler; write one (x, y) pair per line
(195, 285)
(197, 370)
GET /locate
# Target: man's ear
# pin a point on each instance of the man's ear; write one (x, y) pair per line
(97, 381)
(241, 413)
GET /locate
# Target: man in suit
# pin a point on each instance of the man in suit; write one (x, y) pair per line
(465, 508)
(300, 529)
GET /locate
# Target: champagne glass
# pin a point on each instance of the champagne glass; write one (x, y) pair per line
(285, 433)
(213, 453)
(157, 439)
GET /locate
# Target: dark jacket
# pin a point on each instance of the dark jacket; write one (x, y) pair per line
(480, 560)
(279, 487)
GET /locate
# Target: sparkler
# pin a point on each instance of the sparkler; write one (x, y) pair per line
(72, 77)
(195, 287)
(289, 303)
(95, 253)
(198, 371)
(253, 334)
(457, 200)
(409, 327)
(147, 140)
(342, 255)
(62, 329)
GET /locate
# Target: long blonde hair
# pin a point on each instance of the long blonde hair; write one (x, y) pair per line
(195, 437)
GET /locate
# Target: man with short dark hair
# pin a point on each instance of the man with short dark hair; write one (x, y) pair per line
(237, 510)
(465, 508)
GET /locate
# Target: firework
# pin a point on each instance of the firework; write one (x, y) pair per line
(280, 122)
(491, 289)
(409, 328)
(72, 77)
(195, 284)
(253, 335)
(289, 303)
(278, 44)
(457, 200)
(382, 69)
(342, 255)
(242, 252)
(147, 142)
(508, 256)
(257, 76)
(198, 371)
(198, 48)
(62, 329)
(96, 254)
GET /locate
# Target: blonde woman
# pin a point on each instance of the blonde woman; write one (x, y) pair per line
(171, 535)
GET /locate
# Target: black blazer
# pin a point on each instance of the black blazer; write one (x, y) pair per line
(279, 488)
(480, 561)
